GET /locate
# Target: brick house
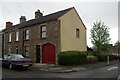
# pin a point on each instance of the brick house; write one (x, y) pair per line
(46, 36)
(1, 43)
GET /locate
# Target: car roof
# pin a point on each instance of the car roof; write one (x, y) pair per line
(13, 54)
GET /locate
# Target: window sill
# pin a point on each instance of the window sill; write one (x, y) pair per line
(77, 37)
(42, 38)
(16, 41)
(26, 40)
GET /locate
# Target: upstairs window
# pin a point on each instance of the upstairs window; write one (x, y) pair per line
(77, 32)
(26, 34)
(17, 36)
(10, 37)
(43, 31)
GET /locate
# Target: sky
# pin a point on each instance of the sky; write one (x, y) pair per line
(89, 12)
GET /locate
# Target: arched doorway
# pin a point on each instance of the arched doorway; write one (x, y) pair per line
(48, 54)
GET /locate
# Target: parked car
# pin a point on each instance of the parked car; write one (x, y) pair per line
(16, 61)
(116, 56)
(1, 59)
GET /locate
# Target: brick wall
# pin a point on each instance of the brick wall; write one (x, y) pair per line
(0, 45)
(53, 35)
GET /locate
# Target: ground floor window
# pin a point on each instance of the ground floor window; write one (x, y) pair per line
(9, 50)
(26, 51)
(16, 49)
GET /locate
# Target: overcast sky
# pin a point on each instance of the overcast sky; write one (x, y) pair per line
(88, 11)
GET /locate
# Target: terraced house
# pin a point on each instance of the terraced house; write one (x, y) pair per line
(43, 37)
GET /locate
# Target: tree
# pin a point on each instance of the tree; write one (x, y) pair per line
(99, 35)
(117, 44)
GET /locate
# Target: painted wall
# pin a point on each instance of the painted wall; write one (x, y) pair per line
(69, 22)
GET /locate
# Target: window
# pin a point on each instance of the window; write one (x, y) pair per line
(26, 34)
(16, 49)
(77, 33)
(10, 37)
(26, 51)
(17, 36)
(18, 56)
(8, 57)
(43, 31)
(9, 50)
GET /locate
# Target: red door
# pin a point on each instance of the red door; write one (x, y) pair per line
(48, 54)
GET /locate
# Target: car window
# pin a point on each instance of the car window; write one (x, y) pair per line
(19, 56)
(12, 56)
(4, 56)
(8, 57)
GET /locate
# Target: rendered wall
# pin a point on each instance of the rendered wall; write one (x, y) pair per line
(69, 22)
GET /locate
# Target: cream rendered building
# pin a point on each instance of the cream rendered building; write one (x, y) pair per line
(69, 24)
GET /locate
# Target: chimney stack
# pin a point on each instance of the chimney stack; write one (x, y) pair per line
(22, 19)
(38, 14)
(9, 24)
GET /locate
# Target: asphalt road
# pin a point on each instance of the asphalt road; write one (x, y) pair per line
(104, 72)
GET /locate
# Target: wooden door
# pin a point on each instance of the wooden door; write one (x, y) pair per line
(48, 54)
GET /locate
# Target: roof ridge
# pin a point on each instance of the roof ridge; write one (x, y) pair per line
(67, 9)
(49, 17)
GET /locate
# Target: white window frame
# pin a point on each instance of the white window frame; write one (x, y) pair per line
(10, 37)
(26, 34)
(17, 36)
(26, 50)
(43, 31)
(9, 50)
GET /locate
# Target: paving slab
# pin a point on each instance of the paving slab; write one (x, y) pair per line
(66, 69)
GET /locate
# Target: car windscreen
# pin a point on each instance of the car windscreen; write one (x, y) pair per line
(19, 56)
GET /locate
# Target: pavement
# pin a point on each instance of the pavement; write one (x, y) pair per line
(67, 69)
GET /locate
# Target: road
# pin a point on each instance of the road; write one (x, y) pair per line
(110, 71)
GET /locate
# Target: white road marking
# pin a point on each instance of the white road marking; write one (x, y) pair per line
(112, 68)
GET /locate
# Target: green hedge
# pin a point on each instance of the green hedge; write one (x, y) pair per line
(72, 58)
(102, 57)
(91, 59)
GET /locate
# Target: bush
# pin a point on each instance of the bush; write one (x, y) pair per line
(111, 57)
(72, 58)
(91, 59)
(102, 57)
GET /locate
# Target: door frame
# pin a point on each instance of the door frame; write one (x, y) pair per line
(38, 54)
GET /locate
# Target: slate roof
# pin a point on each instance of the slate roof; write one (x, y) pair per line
(42, 19)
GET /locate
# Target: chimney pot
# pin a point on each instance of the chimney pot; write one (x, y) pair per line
(9, 24)
(22, 19)
(38, 14)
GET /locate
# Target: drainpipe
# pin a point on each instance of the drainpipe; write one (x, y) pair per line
(23, 44)
(118, 59)
(2, 44)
